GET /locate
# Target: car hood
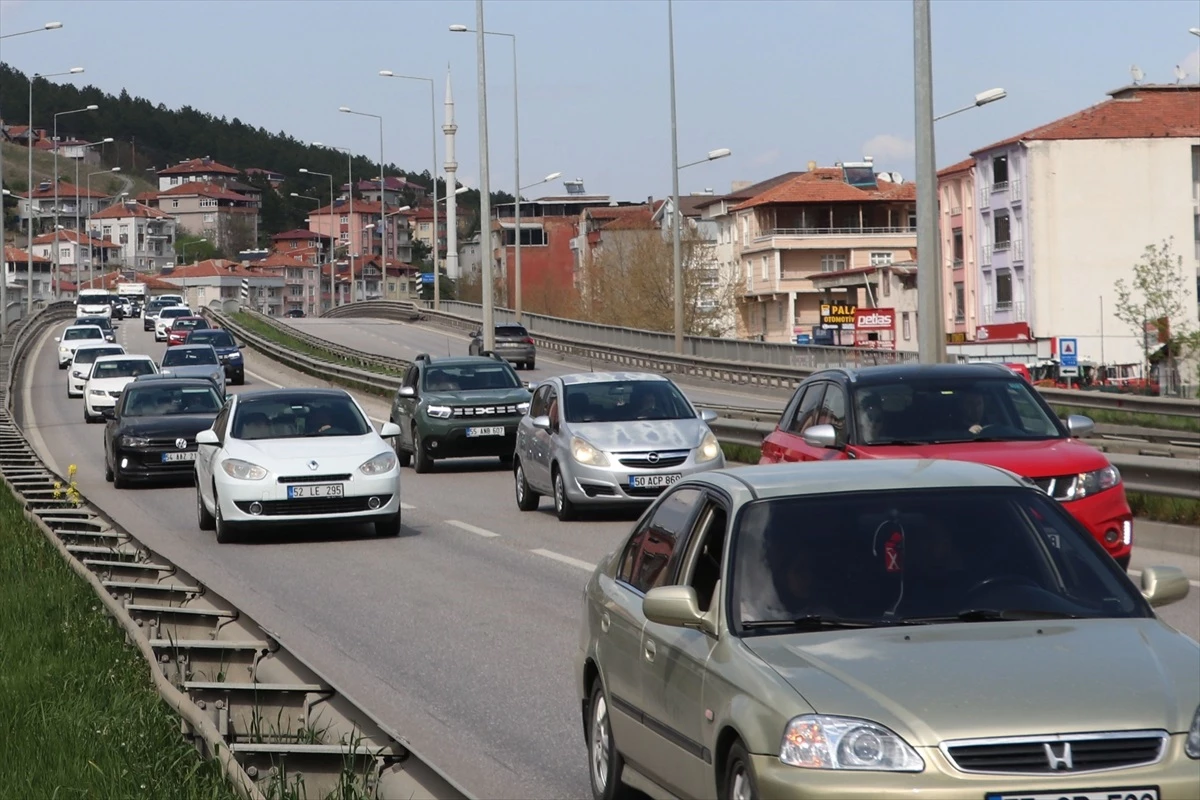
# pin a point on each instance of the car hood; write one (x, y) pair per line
(170, 425)
(655, 434)
(481, 397)
(1046, 458)
(969, 680)
(108, 384)
(225, 350)
(71, 344)
(291, 456)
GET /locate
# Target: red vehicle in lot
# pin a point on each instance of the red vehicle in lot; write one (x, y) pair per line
(182, 326)
(983, 413)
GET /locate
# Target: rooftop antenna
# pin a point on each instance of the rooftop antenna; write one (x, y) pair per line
(1138, 75)
(1180, 74)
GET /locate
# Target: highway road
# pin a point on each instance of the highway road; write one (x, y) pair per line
(459, 633)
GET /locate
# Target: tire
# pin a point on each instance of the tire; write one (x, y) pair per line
(403, 457)
(204, 520)
(422, 463)
(605, 764)
(119, 480)
(531, 364)
(88, 418)
(563, 506)
(62, 365)
(108, 471)
(527, 498)
(226, 533)
(239, 379)
(388, 527)
(739, 783)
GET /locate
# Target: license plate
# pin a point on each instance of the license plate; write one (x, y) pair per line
(315, 490)
(184, 455)
(1143, 793)
(652, 481)
(495, 430)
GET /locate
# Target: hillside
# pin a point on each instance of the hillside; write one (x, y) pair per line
(150, 135)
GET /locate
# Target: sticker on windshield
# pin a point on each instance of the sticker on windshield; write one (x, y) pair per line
(893, 552)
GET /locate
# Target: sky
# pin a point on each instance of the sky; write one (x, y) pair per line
(779, 82)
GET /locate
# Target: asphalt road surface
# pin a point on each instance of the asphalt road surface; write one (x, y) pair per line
(459, 633)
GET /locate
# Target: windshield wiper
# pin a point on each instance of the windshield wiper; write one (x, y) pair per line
(814, 622)
(995, 615)
(879, 442)
(978, 439)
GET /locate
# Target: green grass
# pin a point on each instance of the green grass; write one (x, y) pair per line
(1132, 418)
(279, 336)
(81, 718)
(1178, 510)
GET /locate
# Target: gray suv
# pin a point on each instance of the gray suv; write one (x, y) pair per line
(513, 344)
(609, 439)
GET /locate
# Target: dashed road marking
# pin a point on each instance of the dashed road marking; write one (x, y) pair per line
(407, 507)
(574, 562)
(466, 526)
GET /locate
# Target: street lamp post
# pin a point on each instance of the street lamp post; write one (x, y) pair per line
(387, 73)
(332, 238)
(91, 255)
(981, 99)
(29, 183)
(350, 224)
(56, 273)
(89, 202)
(382, 199)
(931, 343)
(485, 197)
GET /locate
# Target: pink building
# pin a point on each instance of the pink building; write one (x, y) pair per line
(956, 221)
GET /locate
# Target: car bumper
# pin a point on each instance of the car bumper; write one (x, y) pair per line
(612, 485)
(234, 369)
(1107, 514)
(453, 442)
(271, 501)
(148, 323)
(149, 464)
(99, 406)
(75, 385)
(516, 354)
(1177, 778)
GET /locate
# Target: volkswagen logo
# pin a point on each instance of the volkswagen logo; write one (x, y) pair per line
(313, 465)
(652, 458)
(181, 444)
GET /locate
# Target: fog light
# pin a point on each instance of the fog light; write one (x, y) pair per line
(373, 503)
(1111, 536)
(124, 463)
(433, 445)
(1128, 526)
(256, 507)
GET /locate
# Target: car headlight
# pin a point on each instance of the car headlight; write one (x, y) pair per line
(818, 741)
(522, 408)
(1192, 746)
(584, 453)
(243, 470)
(384, 462)
(1087, 484)
(97, 393)
(439, 412)
(134, 441)
(76, 373)
(709, 449)
(235, 356)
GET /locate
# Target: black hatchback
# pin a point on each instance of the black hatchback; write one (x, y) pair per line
(103, 323)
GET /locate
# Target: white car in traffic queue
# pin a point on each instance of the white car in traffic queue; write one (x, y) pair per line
(295, 457)
(74, 336)
(80, 368)
(162, 323)
(108, 378)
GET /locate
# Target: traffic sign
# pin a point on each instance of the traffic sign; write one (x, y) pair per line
(1068, 356)
(426, 277)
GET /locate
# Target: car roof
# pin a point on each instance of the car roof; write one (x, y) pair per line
(182, 347)
(86, 325)
(887, 373)
(610, 377)
(284, 394)
(99, 346)
(828, 477)
(125, 357)
(457, 361)
(171, 380)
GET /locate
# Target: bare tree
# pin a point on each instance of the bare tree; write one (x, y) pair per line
(235, 233)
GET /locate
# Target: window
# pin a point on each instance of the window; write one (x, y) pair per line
(881, 259)
(833, 262)
(958, 247)
(651, 556)
(833, 411)
(344, 219)
(708, 552)
(626, 401)
(999, 172)
(298, 416)
(960, 302)
(530, 237)
(1003, 231)
(1004, 288)
(174, 180)
(763, 268)
(906, 325)
(209, 219)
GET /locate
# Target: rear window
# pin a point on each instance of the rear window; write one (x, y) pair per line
(82, 333)
(190, 357)
(131, 368)
(210, 336)
(86, 355)
(171, 313)
(511, 330)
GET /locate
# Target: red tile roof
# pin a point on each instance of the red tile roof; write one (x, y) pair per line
(826, 185)
(609, 213)
(212, 268)
(122, 210)
(111, 280)
(300, 233)
(199, 166)
(15, 255)
(360, 207)
(203, 189)
(1134, 112)
(64, 190)
(962, 166)
(747, 192)
(146, 197)
(640, 220)
(279, 260)
(73, 236)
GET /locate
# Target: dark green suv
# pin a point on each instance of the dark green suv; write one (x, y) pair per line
(458, 407)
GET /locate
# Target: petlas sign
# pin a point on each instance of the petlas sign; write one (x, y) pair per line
(874, 319)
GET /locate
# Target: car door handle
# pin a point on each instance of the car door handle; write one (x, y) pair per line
(651, 651)
(605, 622)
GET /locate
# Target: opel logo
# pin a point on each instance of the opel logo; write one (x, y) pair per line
(652, 458)
(313, 465)
(181, 444)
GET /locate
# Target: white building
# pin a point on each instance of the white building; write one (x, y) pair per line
(146, 235)
(217, 282)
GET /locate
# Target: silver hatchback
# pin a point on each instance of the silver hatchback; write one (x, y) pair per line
(609, 439)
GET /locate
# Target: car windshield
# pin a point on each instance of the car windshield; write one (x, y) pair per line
(625, 401)
(161, 401)
(191, 357)
(124, 368)
(214, 337)
(470, 377)
(296, 417)
(942, 410)
(86, 355)
(184, 324)
(99, 322)
(73, 334)
(168, 313)
(865, 559)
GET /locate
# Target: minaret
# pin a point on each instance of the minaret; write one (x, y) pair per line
(451, 166)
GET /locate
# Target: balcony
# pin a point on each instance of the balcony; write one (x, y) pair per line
(1015, 191)
(956, 263)
(1004, 312)
(1016, 252)
(985, 196)
(805, 233)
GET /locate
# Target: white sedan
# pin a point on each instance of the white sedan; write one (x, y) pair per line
(108, 379)
(295, 456)
(81, 364)
(73, 336)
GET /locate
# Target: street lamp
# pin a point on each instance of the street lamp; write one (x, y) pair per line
(91, 255)
(981, 99)
(677, 225)
(332, 238)
(516, 155)
(350, 224)
(57, 271)
(458, 191)
(1194, 31)
(382, 194)
(387, 73)
(49, 26)
(29, 182)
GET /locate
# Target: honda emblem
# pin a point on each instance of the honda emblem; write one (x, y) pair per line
(1060, 760)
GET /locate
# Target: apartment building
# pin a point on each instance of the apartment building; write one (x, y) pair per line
(145, 235)
(355, 228)
(825, 220)
(217, 282)
(960, 273)
(17, 275)
(227, 219)
(195, 169)
(76, 250)
(73, 201)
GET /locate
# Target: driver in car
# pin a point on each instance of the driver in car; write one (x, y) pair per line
(971, 410)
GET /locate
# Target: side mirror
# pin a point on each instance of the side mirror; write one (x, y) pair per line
(57, 339)
(530, 385)
(208, 436)
(673, 605)
(389, 429)
(407, 391)
(1079, 426)
(542, 423)
(821, 436)
(708, 415)
(1162, 586)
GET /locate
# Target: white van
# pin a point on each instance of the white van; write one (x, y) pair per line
(94, 303)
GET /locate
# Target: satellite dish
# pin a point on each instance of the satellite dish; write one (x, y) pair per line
(884, 177)
(1137, 73)
(897, 178)
(1180, 74)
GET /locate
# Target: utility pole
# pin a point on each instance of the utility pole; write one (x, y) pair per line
(931, 342)
(485, 192)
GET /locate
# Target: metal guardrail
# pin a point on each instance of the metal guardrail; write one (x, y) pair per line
(734, 361)
(271, 720)
(380, 309)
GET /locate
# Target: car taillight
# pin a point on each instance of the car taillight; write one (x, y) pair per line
(528, 340)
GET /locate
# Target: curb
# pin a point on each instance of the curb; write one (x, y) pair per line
(1182, 539)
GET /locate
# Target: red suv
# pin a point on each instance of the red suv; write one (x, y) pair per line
(963, 412)
(182, 326)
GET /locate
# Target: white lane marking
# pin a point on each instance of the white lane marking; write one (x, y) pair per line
(31, 425)
(1137, 573)
(407, 507)
(468, 527)
(574, 562)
